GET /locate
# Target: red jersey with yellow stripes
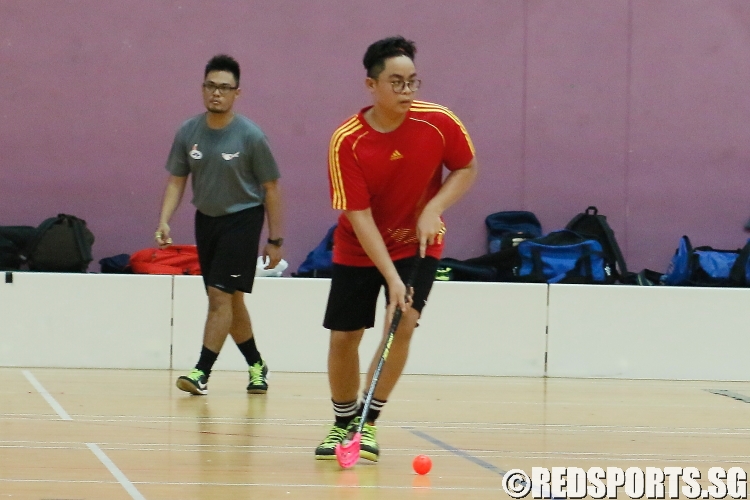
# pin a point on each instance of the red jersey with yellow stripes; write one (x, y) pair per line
(394, 174)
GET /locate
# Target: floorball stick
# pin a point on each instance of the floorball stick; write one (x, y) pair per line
(347, 452)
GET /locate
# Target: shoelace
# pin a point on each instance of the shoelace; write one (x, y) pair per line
(368, 433)
(196, 374)
(256, 374)
(335, 436)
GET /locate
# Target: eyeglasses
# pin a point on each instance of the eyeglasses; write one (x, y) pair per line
(223, 89)
(399, 85)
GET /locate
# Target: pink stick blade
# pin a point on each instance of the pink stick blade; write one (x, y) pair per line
(347, 453)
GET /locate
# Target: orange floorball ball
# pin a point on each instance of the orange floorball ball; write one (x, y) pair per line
(422, 464)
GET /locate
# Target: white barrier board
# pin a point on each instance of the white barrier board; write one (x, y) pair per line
(481, 329)
(66, 320)
(649, 332)
(466, 329)
(286, 314)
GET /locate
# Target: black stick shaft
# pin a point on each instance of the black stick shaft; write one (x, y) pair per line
(387, 347)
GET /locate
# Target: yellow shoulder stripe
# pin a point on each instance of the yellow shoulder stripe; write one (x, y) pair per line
(334, 167)
(426, 107)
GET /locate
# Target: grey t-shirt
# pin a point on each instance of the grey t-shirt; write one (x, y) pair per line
(228, 165)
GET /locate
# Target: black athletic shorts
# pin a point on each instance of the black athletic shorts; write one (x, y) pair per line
(228, 248)
(354, 292)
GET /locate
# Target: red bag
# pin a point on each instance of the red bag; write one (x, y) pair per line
(174, 259)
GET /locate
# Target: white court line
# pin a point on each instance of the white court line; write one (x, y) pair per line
(121, 478)
(304, 450)
(46, 395)
(468, 427)
(268, 485)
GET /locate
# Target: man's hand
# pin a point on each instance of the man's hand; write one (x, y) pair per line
(397, 294)
(274, 255)
(162, 235)
(430, 230)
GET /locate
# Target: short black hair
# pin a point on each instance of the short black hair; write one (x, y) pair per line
(378, 52)
(223, 62)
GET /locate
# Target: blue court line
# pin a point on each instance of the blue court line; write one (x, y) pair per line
(467, 456)
(456, 451)
(730, 394)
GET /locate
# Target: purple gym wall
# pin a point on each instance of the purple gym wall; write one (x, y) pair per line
(638, 107)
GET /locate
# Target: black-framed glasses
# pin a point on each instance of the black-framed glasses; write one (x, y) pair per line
(399, 85)
(223, 89)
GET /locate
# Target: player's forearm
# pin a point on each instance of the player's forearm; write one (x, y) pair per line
(172, 197)
(274, 210)
(454, 188)
(372, 242)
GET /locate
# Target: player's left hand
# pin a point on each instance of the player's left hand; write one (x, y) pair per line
(430, 230)
(273, 254)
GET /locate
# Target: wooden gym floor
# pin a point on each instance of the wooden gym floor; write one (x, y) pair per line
(124, 434)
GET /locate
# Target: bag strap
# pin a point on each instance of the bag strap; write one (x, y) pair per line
(79, 227)
(537, 273)
(43, 227)
(622, 268)
(582, 272)
(738, 274)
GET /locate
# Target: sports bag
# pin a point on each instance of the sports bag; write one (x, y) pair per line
(707, 266)
(116, 264)
(497, 266)
(456, 270)
(561, 257)
(508, 228)
(174, 259)
(594, 226)
(14, 241)
(61, 244)
(319, 262)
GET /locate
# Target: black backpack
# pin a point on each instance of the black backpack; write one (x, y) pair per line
(594, 226)
(14, 241)
(61, 244)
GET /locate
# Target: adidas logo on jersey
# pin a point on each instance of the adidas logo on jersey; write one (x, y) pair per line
(396, 155)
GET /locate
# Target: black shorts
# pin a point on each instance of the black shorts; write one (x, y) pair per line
(228, 248)
(354, 292)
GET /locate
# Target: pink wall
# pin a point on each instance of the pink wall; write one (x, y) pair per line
(636, 106)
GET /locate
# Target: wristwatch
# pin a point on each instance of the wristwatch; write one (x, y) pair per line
(277, 242)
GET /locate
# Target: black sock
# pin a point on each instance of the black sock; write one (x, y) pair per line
(250, 351)
(206, 361)
(344, 412)
(373, 413)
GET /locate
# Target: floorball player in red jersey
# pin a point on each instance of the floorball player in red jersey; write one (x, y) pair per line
(385, 167)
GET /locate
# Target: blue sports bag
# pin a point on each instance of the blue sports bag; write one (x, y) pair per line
(562, 257)
(707, 266)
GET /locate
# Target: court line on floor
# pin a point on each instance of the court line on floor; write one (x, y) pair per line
(305, 450)
(115, 471)
(46, 395)
(103, 458)
(461, 453)
(729, 394)
(473, 427)
(468, 456)
(267, 485)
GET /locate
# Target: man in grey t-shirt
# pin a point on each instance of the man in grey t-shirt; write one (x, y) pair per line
(235, 186)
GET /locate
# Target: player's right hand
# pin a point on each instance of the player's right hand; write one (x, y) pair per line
(398, 296)
(162, 235)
